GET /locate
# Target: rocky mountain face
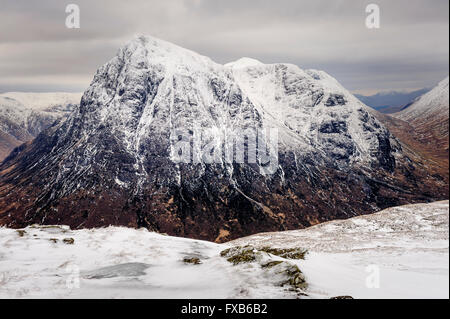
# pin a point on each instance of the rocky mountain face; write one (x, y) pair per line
(24, 115)
(116, 159)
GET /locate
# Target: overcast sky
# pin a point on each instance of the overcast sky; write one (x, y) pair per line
(409, 51)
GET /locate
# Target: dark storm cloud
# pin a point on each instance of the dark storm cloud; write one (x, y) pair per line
(410, 50)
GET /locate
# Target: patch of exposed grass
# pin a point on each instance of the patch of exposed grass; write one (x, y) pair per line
(69, 241)
(21, 232)
(193, 260)
(238, 255)
(290, 253)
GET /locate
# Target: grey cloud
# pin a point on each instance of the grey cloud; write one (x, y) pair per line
(409, 51)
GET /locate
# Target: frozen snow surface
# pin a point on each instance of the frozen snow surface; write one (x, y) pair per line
(122, 263)
(406, 246)
(402, 250)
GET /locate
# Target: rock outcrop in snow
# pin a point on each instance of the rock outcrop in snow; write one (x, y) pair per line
(112, 161)
(407, 246)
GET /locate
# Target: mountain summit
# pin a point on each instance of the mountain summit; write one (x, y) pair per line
(116, 159)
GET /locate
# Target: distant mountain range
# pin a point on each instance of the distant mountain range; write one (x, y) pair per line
(24, 115)
(391, 102)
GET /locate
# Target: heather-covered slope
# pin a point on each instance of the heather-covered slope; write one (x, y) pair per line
(429, 116)
(423, 128)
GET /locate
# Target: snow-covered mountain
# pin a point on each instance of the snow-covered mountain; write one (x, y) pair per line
(24, 115)
(402, 249)
(429, 117)
(115, 160)
(429, 106)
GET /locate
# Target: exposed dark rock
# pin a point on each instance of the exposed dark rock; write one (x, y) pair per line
(335, 99)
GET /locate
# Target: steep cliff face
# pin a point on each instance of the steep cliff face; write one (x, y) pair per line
(120, 158)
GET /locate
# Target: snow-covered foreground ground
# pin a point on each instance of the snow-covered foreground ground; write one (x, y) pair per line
(406, 246)
(404, 251)
(119, 262)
